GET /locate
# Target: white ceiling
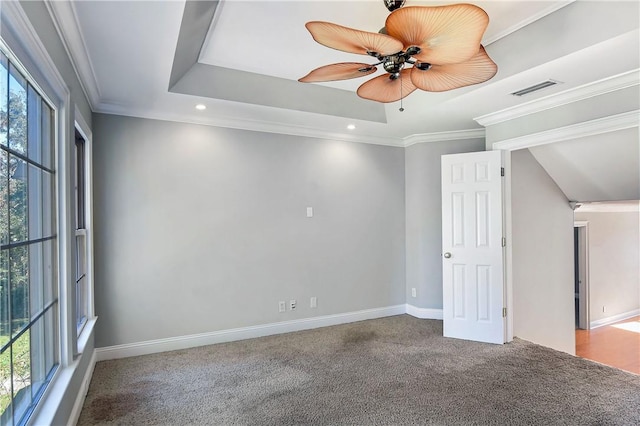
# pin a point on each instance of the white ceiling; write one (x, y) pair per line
(595, 168)
(125, 52)
(285, 30)
(242, 59)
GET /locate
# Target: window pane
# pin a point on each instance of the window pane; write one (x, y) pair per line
(49, 271)
(80, 182)
(48, 205)
(38, 367)
(19, 281)
(17, 111)
(35, 203)
(17, 199)
(21, 375)
(34, 110)
(5, 320)
(4, 197)
(50, 339)
(4, 94)
(81, 261)
(81, 302)
(5, 383)
(36, 278)
(47, 139)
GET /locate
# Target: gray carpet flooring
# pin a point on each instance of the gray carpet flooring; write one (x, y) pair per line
(390, 371)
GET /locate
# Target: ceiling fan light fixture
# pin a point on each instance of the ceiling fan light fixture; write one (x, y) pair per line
(413, 50)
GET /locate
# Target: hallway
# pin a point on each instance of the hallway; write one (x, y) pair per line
(617, 345)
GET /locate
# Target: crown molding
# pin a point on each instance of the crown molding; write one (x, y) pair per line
(65, 20)
(598, 126)
(609, 207)
(549, 10)
(443, 136)
(289, 129)
(244, 124)
(586, 91)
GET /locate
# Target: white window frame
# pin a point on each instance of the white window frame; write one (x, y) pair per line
(83, 128)
(19, 38)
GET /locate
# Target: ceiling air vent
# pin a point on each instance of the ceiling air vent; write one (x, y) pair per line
(535, 87)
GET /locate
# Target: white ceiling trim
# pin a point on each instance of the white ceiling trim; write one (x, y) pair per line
(251, 125)
(586, 91)
(286, 129)
(598, 126)
(65, 20)
(622, 207)
(554, 7)
(444, 136)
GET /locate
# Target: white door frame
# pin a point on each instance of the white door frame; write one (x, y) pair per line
(583, 262)
(508, 252)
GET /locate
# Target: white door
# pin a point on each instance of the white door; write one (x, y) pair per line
(473, 274)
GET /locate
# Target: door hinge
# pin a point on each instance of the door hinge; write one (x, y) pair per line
(504, 242)
(504, 312)
(501, 171)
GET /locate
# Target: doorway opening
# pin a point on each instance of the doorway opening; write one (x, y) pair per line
(581, 275)
(607, 252)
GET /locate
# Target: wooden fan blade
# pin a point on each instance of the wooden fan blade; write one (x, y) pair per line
(444, 34)
(439, 78)
(340, 71)
(352, 41)
(383, 89)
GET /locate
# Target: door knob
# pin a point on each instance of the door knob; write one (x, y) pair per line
(447, 255)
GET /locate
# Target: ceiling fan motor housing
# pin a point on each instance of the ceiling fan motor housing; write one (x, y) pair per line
(394, 64)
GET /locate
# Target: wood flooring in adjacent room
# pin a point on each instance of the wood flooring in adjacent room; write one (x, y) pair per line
(617, 345)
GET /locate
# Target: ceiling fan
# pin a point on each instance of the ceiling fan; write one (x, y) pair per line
(441, 43)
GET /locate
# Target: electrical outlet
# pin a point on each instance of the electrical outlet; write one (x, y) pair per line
(292, 304)
(313, 303)
(282, 306)
(413, 292)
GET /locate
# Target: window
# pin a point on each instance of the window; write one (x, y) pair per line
(81, 278)
(28, 257)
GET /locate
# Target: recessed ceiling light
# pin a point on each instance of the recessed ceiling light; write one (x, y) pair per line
(201, 107)
(351, 126)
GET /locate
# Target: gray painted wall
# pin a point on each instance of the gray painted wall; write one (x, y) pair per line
(424, 218)
(200, 229)
(542, 238)
(614, 262)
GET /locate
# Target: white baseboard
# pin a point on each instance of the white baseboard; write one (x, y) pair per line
(84, 388)
(203, 339)
(424, 313)
(615, 318)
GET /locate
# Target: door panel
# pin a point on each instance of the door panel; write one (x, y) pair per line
(473, 275)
